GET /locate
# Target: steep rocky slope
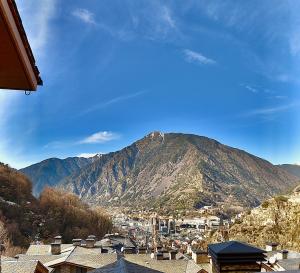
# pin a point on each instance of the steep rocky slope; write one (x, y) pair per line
(277, 220)
(178, 170)
(50, 171)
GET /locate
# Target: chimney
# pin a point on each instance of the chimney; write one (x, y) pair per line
(271, 246)
(282, 255)
(200, 256)
(58, 239)
(55, 249)
(92, 237)
(159, 256)
(142, 250)
(172, 254)
(90, 243)
(127, 250)
(76, 242)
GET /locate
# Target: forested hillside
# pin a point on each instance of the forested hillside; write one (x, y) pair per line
(23, 217)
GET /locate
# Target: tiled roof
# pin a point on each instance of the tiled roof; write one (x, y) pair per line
(166, 266)
(92, 260)
(124, 266)
(42, 258)
(46, 249)
(290, 264)
(19, 266)
(85, 257)
(192, 267)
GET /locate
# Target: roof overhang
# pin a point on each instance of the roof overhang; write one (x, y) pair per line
(17, 65)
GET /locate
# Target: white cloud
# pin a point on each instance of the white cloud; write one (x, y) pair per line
(196, 57)
(85, 16)
(99, 137)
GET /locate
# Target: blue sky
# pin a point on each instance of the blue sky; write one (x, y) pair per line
(115, 70)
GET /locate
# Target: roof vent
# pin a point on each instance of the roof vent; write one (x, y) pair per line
(90, 242)
(55, 248)
(58, 239)
(76, 242)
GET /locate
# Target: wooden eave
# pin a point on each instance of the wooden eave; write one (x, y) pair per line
(17, 64)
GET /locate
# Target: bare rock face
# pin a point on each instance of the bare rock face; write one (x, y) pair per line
(178, 171)
(276, 220)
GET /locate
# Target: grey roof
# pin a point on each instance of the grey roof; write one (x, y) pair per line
(290, 255)
(192, 267)
(77, 255)
(234, 247)
(166, 266)
(290, 264)
(46, 249)
(21, 266)
(124, 266)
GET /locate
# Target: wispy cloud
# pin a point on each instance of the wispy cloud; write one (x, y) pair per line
(251, 88)
(112, 101)
(278, 97)
(99, 137)
(84, 15)
(294, 32)
(267, 111)
(37, 16)
(196, 57)
(166, 16)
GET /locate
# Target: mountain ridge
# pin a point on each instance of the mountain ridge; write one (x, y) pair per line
(51, 170)
(183, 170)
(291, 168)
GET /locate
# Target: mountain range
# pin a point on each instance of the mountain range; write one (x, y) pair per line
(48, 172)
(291, 168)
(171, 170)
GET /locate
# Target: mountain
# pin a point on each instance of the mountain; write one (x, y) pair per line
(276, 220)
(178, 171)
(291, 168)
(50, 171)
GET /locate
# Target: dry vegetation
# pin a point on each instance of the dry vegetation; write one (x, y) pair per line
(277, 220)
(22, 216)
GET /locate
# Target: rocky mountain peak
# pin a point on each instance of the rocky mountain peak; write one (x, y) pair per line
(176, 170)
